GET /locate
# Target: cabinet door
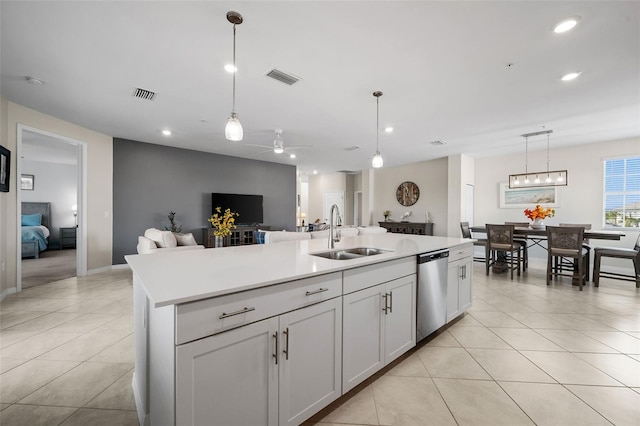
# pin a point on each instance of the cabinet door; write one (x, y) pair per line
(363, 352)
(230, 378)
(464, 286)
(453, 275)
(310, 360)
(400, 317)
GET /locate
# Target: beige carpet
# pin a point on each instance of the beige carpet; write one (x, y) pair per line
(53, 265)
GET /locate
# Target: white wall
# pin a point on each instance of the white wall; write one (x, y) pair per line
(57, 184)
(580, 202)
(431, 178)
(99, 187)
(330, 182)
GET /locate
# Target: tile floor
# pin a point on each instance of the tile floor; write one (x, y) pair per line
(524, 354)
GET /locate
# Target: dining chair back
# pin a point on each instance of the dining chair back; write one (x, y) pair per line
(566, 242)
(480, 242)
(499, 242)
(523, 242)
(566, 265)
(618, 253)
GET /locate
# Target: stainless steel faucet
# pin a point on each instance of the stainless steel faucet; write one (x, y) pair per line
(333, 239)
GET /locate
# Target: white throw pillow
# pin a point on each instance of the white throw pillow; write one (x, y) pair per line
(145, 245)
(163, 239)
(185, 239)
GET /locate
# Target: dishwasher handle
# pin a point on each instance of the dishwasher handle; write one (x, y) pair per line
(431, 256)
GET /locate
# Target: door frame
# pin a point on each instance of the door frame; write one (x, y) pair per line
(81, 237)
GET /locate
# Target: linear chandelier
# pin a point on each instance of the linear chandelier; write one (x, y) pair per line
(537, 179)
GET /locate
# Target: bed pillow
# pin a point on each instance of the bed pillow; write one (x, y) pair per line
(32, 219)
(163, 239)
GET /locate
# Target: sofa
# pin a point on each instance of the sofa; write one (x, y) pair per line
(155, 240)
(270, 237)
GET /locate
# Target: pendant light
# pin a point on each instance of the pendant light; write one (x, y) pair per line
(377, 161)
(233, 129)
(537, 179)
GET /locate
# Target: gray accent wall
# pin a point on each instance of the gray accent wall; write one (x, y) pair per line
(151, 180)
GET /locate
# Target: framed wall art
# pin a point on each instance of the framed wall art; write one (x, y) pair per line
(26, 182)
(518, 198)
(5, 169)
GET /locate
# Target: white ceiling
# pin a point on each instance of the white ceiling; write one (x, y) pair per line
(443, 68)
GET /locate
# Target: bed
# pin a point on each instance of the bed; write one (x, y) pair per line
(35, 221)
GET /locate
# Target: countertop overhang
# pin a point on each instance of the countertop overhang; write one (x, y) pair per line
(178, 277)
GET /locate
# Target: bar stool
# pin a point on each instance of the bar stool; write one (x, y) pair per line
(569, 265)
(500, 239)
(466, 233)
(523, 241)
(566, 241)
(618, 253)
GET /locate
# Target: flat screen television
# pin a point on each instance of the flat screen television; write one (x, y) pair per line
(249, 207)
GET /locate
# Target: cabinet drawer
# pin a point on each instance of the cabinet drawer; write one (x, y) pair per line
(367, 276)
(460, 252)
(206, 317)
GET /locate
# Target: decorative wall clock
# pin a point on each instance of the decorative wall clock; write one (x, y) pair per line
(407, 193)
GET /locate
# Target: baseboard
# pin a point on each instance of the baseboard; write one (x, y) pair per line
(7, 292)
(107, 269)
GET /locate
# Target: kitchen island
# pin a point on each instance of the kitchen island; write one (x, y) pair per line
(270, 334)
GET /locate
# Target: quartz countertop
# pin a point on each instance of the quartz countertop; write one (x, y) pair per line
(184, 276)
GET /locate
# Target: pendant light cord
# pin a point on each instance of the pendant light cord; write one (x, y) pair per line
(233, 110)
(547, 153)
(377, 123)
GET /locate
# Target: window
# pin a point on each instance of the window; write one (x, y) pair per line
(622, 192)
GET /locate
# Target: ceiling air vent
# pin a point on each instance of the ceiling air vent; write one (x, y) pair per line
(352, 148)
(348, 172)
(438, 143)
(144, 94)
(282, 77)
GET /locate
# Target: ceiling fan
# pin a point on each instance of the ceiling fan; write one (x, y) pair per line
(278, 146)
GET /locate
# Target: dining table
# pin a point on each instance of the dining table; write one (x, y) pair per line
(537, 237)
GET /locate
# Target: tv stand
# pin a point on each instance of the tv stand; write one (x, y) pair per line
(241, 236)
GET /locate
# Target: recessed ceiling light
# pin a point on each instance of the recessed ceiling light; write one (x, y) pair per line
(292, 156)
(566, 25)
(388, 129)
(230, 68)
(571, 76)
(166, 132)
(33, 80)
(315, 172)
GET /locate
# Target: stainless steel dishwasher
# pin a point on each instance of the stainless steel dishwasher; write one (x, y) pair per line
(432, 292)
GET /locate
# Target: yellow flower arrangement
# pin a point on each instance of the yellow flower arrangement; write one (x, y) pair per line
(223, 222)
(539, 213)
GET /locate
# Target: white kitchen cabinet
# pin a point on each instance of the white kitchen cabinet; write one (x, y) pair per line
(459, 276)
(378, 326)
(281, 370)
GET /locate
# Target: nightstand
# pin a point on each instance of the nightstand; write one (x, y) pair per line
(68, 237)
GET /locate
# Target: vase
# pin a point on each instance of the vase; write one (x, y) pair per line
(537, 224)
(218, 241)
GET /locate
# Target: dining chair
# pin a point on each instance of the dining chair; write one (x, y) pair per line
(566, 241)
(523, 241)
(500, 242)
(480, 242)
(566, 265)
(618, 253)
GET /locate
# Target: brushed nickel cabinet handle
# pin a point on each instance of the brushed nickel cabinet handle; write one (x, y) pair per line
(286, 344)
(390, 302)
(320, 290)
(275, 355)
(241, 311)
(384, 296)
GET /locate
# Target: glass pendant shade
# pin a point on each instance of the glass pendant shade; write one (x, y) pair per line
(377, 161)
(233, 129)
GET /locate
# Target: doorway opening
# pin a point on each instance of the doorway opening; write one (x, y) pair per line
(50, 209)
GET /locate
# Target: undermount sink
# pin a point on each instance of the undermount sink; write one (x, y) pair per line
(347, 254)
